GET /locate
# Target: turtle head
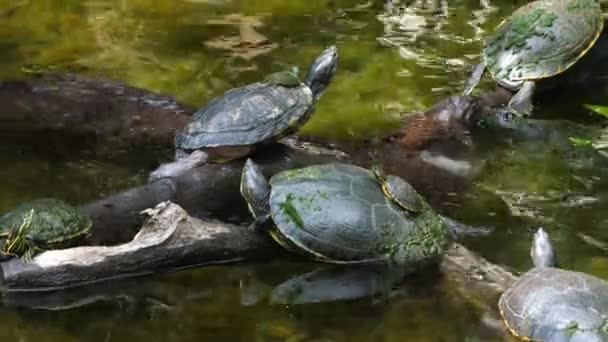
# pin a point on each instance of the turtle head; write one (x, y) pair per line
(322, 71)
(15, 241)
(378, 173)
(542, 251)
(255, 189)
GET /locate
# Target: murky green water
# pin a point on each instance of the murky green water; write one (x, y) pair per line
(390, 62)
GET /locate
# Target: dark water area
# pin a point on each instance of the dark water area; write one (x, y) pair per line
(393, 60)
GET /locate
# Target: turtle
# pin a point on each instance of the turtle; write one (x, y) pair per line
(399, 191)
(338, 213)
(541, 39)
(233, 125)
(42, 224)
(548, 303)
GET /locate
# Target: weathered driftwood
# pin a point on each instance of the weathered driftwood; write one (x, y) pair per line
(170, 239)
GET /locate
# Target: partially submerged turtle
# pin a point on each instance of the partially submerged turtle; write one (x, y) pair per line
(42, 224)
(541, 39)
(233, 125)
(339, 213)
(552, 304)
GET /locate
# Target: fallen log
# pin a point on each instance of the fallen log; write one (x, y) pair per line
(170, 240)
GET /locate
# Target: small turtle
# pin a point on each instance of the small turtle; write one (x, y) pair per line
(338, 213)
(42, 224)
(233, 125)
(540, 40)
(552, 304)
(399, 191)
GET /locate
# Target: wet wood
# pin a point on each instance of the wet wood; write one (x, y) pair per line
(97, 110)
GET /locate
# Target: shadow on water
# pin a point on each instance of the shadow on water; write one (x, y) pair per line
(393, 60)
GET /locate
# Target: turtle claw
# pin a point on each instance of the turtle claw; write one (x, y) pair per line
(260, 224)
(521, 103)
(27, 256)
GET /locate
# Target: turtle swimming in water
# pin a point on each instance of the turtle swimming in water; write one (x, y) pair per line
(555, 305)
(339, 213)
(233, 125)
(39, 225)
(540, 40)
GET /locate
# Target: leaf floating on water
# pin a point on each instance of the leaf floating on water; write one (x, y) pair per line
(580, 141)
(602, 141)
(601, 110)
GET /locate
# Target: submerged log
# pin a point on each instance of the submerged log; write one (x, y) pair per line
(97, 111)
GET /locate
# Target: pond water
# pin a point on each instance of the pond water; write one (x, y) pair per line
(392, 60)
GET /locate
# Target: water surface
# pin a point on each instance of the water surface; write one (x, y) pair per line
(392, 60)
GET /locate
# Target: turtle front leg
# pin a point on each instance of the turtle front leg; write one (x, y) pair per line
(261, 224)
(521, 102)
(30, 250)
(475, 78)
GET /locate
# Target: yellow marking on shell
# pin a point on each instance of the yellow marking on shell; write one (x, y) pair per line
(278, 237)
(510, 329)
(560, 70)
(289, 244)
(393, 198)
(389, 194)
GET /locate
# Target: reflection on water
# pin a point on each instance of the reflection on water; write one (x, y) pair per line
(396, 56)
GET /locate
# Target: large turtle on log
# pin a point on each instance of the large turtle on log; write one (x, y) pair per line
(556, 305)
(345, 214)
(233, 125)
(540, 40)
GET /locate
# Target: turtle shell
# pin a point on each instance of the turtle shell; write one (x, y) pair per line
(551, 304)
(54, 222)
(338, 213)
(541, 39)
(402, 193)
(284, 78)
(255, 114)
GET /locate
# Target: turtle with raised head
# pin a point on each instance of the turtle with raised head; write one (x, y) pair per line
(39, 225)
(555, 305)
(339, 213)
(233, 125)
(540, 40)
